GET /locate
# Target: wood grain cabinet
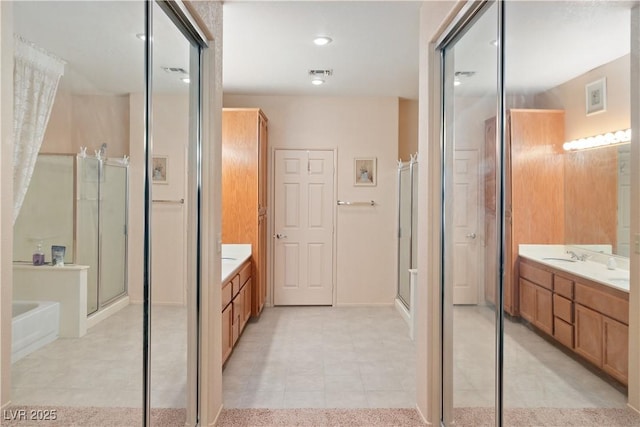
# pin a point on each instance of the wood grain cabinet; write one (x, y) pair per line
(587, 317)
(534, 179)
(536, 297)
(236, 307)
(244, 191)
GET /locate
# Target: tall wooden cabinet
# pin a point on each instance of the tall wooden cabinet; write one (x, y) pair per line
(534, 192)
(244, 190)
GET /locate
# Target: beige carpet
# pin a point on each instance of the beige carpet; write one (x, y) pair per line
(319, 418)
(549, 417)
(23, 416)
(465, 417)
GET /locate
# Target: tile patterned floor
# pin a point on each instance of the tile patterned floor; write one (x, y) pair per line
(312, 357)
(536, 373)
(322, 357)
(104, 368)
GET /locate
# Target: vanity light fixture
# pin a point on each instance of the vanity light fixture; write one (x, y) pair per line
(317, 81)
(604, 140)
(186, 79)
(322, 40)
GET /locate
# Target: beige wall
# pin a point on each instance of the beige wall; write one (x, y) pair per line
(433, 18)
(356, 127)
(634, 292)
(170, 138)
(210, 13)
(88, 121)
(570, 96)
(6, 191)
(407, 129)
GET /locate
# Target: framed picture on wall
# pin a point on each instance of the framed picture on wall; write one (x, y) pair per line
(159, 169)
(596, 93)
(364, 171)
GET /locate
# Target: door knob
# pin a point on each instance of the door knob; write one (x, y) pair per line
(280, 236)
(471, 236)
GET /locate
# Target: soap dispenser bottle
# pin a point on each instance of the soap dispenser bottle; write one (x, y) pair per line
(38, 255)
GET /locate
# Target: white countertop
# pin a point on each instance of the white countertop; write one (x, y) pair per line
(233, 256)
(594, 268)
(67, 267)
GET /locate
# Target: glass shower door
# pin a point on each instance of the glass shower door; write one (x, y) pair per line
(87, 225)
(404, 234)
(113, 232)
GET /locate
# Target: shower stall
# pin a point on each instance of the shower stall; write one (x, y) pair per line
(101, 212)
(81, 203)
(407, 228)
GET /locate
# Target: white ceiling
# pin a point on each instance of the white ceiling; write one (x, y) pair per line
(546, 43)
(268, 45)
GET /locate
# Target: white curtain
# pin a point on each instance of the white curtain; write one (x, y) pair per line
(36, 74)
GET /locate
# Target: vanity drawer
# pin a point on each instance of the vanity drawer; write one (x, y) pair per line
(563, 332)
(227, 294)
(245, 273)
(235, 282)
(563, 286)
(603, 302)
(563, 308)
(536, 275)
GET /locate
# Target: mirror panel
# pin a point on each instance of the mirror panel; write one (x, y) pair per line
(557, 354)
(470, 222)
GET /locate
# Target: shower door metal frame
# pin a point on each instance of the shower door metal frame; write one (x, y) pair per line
(103, 163)
(412, 182)
(464, 20)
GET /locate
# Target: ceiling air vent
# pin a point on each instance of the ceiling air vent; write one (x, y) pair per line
(320, 73)
(175, 70)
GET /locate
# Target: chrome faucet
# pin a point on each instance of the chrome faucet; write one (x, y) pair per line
(582, 257)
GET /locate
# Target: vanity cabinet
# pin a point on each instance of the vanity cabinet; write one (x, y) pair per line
(244, 191)
(536, 297)
(534, 179)
(585, 316)
(236, 307)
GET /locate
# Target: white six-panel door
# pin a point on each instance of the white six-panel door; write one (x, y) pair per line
(465, 223)
(303, 227)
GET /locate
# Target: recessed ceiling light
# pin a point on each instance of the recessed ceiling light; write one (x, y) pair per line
(317, 81)
(141, 36)
(186, 79)
(322, 40)
(456, 82)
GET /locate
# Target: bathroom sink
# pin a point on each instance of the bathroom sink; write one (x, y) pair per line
(559, 259)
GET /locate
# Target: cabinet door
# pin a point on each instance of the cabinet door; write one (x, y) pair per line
(227, 334)
(615, 349)
(260, 258)
(588, 334)
(236, 318)
(247, 301)
(528, 300)
(544, 310)
(490, 256)
(263, 154)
